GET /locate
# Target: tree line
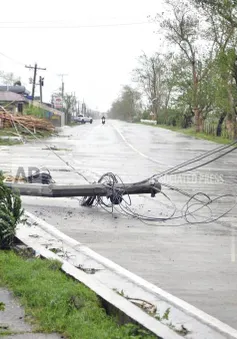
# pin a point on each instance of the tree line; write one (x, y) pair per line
(195, 81)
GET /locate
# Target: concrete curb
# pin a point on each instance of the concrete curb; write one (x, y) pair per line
(191, 311)
(110, 297)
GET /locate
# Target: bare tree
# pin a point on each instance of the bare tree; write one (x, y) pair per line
(182, 29)
(227, 9)
(223, 31)
(69, 100)
(8, 79)
(152, 74)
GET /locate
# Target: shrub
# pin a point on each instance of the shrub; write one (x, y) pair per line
(10, 215)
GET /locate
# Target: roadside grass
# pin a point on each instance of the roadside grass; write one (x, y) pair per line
(41, 134)
(11, 132)
(8, 142)
(191, 132)
(7, 131)
(55, 302)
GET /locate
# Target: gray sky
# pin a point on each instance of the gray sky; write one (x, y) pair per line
(98, 60)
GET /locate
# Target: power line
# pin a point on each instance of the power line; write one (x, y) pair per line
(118, 18)
(12, 59)
(23, 64)
(78, 26)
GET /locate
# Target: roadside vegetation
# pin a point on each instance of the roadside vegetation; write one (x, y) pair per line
(7, 135)
(35, 111)
(55, 302)
(8, 142)
(11, 213)
(201, 135)
(191, 132)
(193, 85)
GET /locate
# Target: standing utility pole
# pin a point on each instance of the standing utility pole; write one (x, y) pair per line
(62, 88)
(41, 83)
(35, 68)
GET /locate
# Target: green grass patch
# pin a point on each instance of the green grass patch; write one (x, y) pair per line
(9, 142)
(7, 132)
(191, 132)
(4, 333)
(40, 134)
(57, 303)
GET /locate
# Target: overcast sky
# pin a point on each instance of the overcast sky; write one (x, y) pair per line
(98, 60)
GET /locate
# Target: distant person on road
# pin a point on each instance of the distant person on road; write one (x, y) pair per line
(103, 119)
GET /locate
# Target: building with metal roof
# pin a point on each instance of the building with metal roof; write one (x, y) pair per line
(12, 102)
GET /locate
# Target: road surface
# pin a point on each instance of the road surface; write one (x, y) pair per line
(196, 263)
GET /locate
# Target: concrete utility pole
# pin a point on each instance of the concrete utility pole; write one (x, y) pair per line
(83, 108)
(78, 107)
(62, 88)
(90, 191)
(41, 84)
(35, 68)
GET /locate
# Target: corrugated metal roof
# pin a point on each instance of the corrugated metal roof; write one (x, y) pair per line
(14, 89)
(10, 96)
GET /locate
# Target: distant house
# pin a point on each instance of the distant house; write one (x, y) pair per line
(12, 102)
(15, 89)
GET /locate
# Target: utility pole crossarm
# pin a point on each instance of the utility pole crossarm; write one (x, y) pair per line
(35, 68)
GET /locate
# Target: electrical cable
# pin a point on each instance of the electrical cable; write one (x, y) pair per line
(205, 163)
(57, 155)
(188, 162)
(116, 197)
(12, 59)
(184, 213)
(77, 26)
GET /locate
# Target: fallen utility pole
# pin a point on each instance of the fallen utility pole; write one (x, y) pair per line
(113, 192)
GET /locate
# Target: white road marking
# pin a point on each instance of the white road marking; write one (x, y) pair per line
(136, 150)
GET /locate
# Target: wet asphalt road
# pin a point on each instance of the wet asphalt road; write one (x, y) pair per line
(196, 263)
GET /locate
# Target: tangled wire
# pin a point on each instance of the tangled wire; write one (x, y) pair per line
(198, 203)
(119, 200)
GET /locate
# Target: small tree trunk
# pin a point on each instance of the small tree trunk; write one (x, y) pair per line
(201, 122)
(234, 127)
(197, 119)
(230, 127)
(231, 119)
(66, 118)
(155, 110)
(220, 124)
